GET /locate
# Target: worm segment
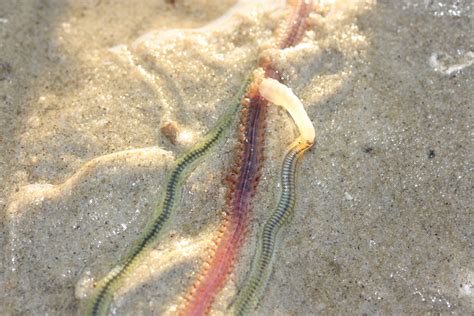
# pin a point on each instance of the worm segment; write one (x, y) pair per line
(254, 285)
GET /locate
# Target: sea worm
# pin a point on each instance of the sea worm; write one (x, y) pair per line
(278, 94)
(291, 32)
(177, 174)
(244, 176)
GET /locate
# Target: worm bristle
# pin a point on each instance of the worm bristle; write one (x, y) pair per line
(244, 175)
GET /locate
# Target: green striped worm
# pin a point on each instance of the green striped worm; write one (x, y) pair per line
(254, 286)
(177, 174)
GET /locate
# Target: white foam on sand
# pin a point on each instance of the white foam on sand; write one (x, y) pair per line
(448, 65)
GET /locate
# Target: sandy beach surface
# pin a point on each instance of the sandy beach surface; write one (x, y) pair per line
(97, 98)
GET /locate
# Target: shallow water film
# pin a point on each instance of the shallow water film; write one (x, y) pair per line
(98, 98)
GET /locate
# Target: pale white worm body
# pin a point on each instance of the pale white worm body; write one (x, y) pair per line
(280, 94)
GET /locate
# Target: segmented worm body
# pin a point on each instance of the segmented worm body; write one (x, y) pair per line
(262, 265)
(243, 178)
(291, 32)
(180, 170)
(261, 268)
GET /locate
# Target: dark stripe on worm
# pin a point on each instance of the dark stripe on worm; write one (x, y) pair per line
(248, 163)
(250, 294)
(244, 177)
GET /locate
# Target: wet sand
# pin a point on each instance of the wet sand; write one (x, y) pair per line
(383, 221)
